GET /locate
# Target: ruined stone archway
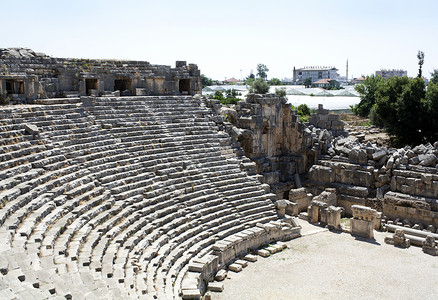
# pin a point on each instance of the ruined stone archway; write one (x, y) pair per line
(184, 86)
(90, 84)
(122, 84)
(14, 86)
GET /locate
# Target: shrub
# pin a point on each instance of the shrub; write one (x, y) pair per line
(281, 92)
(259, 86)
(303, 110)
(229, 99)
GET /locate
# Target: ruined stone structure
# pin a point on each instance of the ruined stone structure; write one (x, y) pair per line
(399, 239)
(124, 197)
(268, 131)
(322, 119)
(152, 196)
(26, 75)
(402, 184)
(363, 221)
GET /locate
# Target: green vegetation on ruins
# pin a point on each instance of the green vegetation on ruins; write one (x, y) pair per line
(303, 112)
(280, 92)
(406, 107)
(259, 86)
(206, 81)
(231, 96)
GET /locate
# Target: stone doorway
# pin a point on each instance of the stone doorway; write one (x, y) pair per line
(122, 84)
(90, 84)
(14, 86)
(184, 86)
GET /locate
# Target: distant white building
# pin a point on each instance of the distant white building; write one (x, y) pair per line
(391, 73)
(315, 73)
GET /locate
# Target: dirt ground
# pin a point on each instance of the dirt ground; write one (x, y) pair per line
(332, 265)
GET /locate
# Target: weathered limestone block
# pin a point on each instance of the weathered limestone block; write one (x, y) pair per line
(221, 275)
(416, 209)
(281, 207)
(430, 246)
(263, 253)
(215, 286)
(398, 239)
(235, 268)
(378, 155)
(301, 197)
(321, 174)
(362, 223)
(362, 228)
(427, 159)
(363, 213)
(31, 129)
(327, 196)
(271, 177)
(314, 210)
(250, 258)
(334, 217)
(358, 156)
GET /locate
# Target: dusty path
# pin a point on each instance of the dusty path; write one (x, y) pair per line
(327, 265)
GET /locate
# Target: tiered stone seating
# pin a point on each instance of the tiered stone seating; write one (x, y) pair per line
(115, 198)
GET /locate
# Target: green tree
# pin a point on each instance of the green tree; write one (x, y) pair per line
(281, 92)
(303, 110)
(367, 91)
(218, 95)
(250, 78)
(308, 82)
(431, 131)
(259, 86)
(434, 76)
(206, 81)
(420, 56)
(403, 109)
(229, 98)
(262, 71)
(275, 81)
(232, 93)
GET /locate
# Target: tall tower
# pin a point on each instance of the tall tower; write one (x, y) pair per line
(347, 70)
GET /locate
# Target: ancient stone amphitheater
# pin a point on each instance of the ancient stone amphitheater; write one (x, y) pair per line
(117, 198)
(104, 196)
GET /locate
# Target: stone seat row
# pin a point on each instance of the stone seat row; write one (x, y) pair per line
(126, 214)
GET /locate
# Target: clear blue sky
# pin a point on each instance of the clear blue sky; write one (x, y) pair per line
(224, 37)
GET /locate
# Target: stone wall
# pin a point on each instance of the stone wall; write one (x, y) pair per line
(402, 183)
(269, 132)
(322, 119)
(26, 75)
(287, 152)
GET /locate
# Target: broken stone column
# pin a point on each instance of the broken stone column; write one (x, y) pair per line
(398, 239)
(334, 217)
(281, 207)
(362, 223)
(430, 246)
(286, 207)
(314, 211)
